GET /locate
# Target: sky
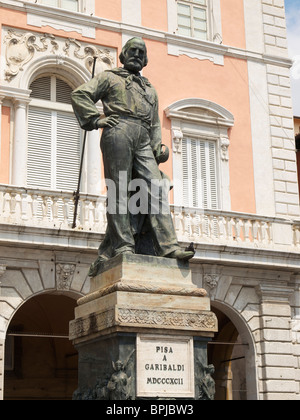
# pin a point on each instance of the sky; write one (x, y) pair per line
(292, 8)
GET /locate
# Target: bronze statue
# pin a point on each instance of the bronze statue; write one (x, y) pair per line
(132, 149)
(205, 383)
(119, 384)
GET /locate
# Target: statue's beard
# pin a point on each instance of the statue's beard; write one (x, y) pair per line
(134, 65)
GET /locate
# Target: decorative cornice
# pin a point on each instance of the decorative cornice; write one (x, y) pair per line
(94, 22)
(218, 115)
(92, 324)
(21, 95)
(202, 321)
(269, 291)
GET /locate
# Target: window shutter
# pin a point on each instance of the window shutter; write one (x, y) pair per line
(213, 187)
(41, 88)
(187, 179)
(53, 138)
(39, 148)
(63, 92)
(200, 187)
(67, 152)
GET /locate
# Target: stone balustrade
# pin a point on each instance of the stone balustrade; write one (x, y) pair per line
(54, 209)
(51, 209)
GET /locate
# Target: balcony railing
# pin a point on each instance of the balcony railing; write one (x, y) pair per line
(51, 209)
(54, 209)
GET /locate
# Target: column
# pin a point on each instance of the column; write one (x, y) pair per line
(2, 347)
(1, 100)
(19, 159)
(278, 365)
(93, 163)
(2, 340)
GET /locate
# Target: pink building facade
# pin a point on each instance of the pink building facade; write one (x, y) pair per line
(221, 70)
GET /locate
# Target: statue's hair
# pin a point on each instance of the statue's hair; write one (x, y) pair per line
(127, 45)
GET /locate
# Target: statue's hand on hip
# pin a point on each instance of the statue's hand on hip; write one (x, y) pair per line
(110, 121)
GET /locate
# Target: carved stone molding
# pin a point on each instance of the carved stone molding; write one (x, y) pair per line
(143, 288)
(143, 318)
(211, 280)
(177, 140)
(2, 269)
(224, 144)
(203, 321)
(22, 47)
(92, 324)
(64, 276)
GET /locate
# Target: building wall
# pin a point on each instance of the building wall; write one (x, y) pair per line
(251, 268)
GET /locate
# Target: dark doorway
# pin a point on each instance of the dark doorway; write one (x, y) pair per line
(40, 361)
(227, 353)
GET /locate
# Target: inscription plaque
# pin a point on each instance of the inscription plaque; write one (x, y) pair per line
(165, 366)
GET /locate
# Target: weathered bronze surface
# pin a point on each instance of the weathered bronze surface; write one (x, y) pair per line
(131, 146)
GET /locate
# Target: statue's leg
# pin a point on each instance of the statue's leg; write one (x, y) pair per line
(164, 235)
(117, 149)
(163, 232)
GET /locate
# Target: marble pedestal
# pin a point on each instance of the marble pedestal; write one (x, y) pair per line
(142, 331)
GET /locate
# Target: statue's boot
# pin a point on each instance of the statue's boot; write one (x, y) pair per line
(96, 267)
(181, 255)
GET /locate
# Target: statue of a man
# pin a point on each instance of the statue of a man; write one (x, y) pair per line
(131, 146)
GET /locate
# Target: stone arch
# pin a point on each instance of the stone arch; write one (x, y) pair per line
(25, 280)
(67, 68)
(41, 361)
(247, 339)
(240, 303)
(18, 285)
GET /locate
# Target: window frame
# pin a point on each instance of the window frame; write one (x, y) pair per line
(192, 4)
(206, 142)
(55, 110)
(59, 5)
(214, 23)
(203, 120)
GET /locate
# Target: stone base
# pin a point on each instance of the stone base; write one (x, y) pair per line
(138, 296)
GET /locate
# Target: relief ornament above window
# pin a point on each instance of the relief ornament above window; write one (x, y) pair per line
(21, 47)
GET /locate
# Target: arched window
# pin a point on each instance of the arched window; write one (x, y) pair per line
(54, 136)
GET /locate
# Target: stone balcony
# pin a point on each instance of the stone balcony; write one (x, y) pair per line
(46, 209)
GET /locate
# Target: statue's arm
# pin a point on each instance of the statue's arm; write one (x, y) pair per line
(156, 130)
(84, 99)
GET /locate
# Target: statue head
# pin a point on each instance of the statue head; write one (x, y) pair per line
(118, 366)
(134, 55)
(211, 369)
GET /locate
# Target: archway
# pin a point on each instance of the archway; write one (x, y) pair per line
(232, 352)
(40, 361)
